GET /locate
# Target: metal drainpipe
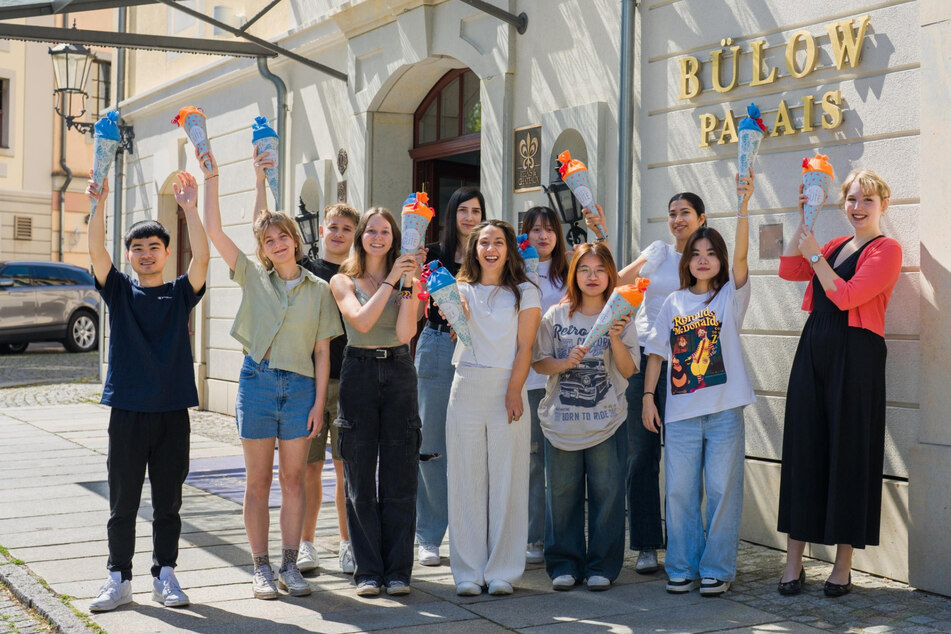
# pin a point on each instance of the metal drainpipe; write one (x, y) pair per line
(281, 89)
(65, 168)
(626, 131)
(117, 185)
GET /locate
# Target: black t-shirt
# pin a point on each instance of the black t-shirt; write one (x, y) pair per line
(326, 270)
(150, 354)
(435, 253)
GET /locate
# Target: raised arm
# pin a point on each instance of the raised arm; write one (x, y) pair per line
(741, 243)
(186, 195)
(223, 244)
(98, 255)
(260, 181)
(792, 247)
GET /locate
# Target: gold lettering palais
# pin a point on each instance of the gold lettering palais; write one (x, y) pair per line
(846, 41)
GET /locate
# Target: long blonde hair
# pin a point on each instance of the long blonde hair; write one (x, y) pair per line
(356, 264)
(263, 221)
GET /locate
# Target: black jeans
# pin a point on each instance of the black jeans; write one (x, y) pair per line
(160, 442)
(378, 419)
(643, 463)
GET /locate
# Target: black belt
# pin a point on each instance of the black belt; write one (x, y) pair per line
(439, 327)
(376, 353)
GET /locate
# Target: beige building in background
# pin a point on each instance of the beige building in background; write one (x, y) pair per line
(865, 82)
(26, 106)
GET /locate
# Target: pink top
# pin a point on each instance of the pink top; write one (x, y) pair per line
(866, 295)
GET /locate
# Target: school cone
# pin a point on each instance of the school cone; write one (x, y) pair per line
(817, 179)
(529, 257)
(266, 141)
(575, 175)
(193, 120)
(105, 141)
(624, 300)
(441, 285)
(751, 133)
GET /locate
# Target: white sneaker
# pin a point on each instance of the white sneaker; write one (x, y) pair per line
(167, 592)
(428, 555)
(291, 580)
(347, 565)
(397, 588)
(307, 557)
(111, 595)
(535, 554)
(563, 582)
(598, 583)
(500, 588)
(368, 588)
(680, 585)
(710, 587)
(468, 589)
(262, 583)
(646, 562)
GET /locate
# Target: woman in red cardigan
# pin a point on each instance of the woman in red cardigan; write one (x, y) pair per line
(834, 437)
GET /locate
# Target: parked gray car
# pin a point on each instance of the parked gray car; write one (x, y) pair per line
(47, 301)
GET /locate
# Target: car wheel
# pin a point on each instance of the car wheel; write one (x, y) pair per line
(82, 333)
(13, 348)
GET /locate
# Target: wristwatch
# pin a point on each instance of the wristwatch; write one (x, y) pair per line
(814, 259)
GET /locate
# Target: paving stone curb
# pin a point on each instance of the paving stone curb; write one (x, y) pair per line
(33, 595)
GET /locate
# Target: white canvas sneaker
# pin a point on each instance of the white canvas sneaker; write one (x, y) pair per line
(347, 565)
(307, 557)
(111, 595)
(168, 592)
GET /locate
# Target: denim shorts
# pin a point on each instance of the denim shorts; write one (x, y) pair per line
(272, 403)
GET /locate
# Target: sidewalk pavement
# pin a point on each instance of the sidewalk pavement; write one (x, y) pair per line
(54, 507)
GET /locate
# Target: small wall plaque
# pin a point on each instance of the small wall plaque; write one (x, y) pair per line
(528, 166)
(342, 192)
(770, 241)
(342, 161)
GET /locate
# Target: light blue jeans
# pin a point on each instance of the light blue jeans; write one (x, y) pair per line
(434, 373)
(536, 473)
(599, 471)
(707, 451)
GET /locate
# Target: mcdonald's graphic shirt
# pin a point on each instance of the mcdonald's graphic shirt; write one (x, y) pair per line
(706, 372)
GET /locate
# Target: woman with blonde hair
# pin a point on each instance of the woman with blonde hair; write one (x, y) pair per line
(378, 416)
(285, 322)
(834, 436)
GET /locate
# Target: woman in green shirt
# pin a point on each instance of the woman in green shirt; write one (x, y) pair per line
(285, 322)
(378, 416)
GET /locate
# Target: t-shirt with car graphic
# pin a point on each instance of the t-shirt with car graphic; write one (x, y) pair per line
(585, 405)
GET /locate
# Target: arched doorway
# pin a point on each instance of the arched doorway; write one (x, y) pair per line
(447, 140)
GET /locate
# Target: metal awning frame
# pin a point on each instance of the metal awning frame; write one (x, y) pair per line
(252, 47)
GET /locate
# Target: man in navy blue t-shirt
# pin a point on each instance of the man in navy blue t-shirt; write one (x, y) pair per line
(150, 385)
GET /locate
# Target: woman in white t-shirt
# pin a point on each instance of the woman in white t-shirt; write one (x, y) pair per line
(698, 332)
(582, 412)
(487, 427)
(660, 262)
(543, 228)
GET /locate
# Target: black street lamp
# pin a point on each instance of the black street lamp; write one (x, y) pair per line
(309, 224)
(71, 66)
(562, 200)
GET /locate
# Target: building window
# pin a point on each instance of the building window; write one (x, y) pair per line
(100, 89)
(451, 109)
(4, 111)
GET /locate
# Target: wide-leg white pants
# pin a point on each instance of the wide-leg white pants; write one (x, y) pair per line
(488, 461)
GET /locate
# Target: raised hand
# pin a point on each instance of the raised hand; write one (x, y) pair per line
(186, 190)
(262, 162)
(594, 218)
(94, 190)
(207, 157)
(744, 187)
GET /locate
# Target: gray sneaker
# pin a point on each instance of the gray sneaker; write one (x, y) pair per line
(111, 595)
(347, 565)
(291, 580)
(168, 592)
(397, 588)
(262, 583)
(646, 562)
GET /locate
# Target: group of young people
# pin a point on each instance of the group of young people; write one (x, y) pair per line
(511, 442)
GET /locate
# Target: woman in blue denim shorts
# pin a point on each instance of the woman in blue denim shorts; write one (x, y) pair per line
(285, 322)
(378, 418)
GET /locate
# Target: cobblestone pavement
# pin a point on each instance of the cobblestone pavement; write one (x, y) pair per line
(15, 619)
(47, 363)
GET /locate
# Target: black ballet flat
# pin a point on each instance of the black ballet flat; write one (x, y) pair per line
(794, 587)
(838, 589)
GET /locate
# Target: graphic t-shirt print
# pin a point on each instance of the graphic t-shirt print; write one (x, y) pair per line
(586, 384)
(697, 357)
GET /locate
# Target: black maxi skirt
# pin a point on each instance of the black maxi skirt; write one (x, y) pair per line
(834, 436)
